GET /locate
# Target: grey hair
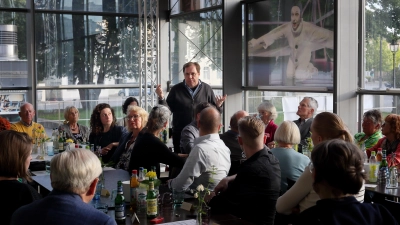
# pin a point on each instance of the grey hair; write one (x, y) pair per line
(287, 133)
(267, 106)
(313, 104)
(74, 170)
(375, 115)
(157, 118)
(67, 110)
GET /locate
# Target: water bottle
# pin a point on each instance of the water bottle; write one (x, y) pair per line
(383, 173)
(373, 168)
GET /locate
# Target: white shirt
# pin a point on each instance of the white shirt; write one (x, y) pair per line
(209, 151)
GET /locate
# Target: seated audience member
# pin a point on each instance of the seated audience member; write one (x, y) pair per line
(191, 131)
(267, 113)
(4, 124)
(325, 126)
(73, 130)
(291, 162)
(371, 126)
(149, 150)
(136, 120)
(306, 110)
(209, 158)
(230, 138)
(337, 173)
(104, 132)
(74, 176)
(251, 194)
(391, 141)
(15, 157)
(26, 124)
(129, 101)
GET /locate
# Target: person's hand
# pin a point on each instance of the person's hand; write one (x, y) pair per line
(105, 150)
(220, 100)
(222, 185)
(271, 145)
(159, 92)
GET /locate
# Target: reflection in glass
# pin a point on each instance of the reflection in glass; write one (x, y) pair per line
(124, 6)
(178, 6)
(198, 38)
(13, 4)
(380, 31)
(79, 49)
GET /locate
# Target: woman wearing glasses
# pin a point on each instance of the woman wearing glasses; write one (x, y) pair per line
(149, 150)
(104, 133)
(301, 196)
(135, 121)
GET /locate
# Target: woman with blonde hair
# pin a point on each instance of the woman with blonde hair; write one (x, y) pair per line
(15, 157)
(73, 130)
(135, 121)
(325, 126)
(291, 162)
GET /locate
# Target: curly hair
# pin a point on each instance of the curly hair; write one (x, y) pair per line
(4, 124)
(340, 165)
(95, 121)
(394, 121)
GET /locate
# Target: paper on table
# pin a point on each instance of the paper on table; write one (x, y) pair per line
(183, 222)
(370, 185)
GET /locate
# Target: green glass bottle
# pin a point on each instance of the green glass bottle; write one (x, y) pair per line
(61, 143)
(151, 201)
(120, 205)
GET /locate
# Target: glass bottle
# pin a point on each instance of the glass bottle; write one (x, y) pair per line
(373, 168)
(379, 156)
(364, 153)
(55, 140)
(393, 180)
(383, 173)
(151, 200)
(141, 175)
(134, 185)
(60, 143)
(119, 205)
(145, 174)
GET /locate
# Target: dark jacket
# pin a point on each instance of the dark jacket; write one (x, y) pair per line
(304, 132)
(345, 211)
(104, 139)
(182, 104)
(60, 208)
(252, 195)
(14, 195)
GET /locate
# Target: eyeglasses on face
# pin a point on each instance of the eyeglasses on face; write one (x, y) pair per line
(135, 117)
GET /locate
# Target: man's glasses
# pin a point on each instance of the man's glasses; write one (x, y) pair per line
(135, 117)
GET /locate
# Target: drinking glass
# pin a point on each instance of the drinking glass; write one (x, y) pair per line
(102, 207)
(178, 196)
(47, 163)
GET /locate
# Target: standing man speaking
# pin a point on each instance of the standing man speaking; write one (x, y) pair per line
(183, 98)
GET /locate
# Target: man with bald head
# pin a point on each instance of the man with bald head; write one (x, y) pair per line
(209, 158)
(230, 138)
(26, 124)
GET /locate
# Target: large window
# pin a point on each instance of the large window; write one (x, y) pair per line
(197, 37)
(381, 59)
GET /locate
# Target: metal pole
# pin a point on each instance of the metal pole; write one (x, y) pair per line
(394, 84)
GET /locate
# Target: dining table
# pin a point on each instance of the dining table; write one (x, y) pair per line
(167, 210)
